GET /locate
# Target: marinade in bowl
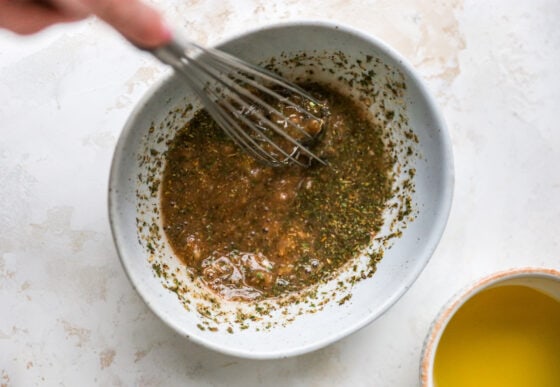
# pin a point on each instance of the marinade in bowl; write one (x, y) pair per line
(242, 243)
(251, 231)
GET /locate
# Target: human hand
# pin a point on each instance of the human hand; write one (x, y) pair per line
(138, 22)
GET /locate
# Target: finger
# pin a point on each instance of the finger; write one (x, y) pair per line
(29, 17)
(137, 21)
(71, 7)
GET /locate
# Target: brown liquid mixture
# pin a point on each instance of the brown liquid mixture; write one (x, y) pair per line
(252, 232)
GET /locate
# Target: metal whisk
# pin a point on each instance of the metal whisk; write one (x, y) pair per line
(273, 120)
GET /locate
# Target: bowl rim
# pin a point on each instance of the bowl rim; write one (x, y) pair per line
(451, 307)
(440, 219)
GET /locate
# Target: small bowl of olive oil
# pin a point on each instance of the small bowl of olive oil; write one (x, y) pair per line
(502, 331)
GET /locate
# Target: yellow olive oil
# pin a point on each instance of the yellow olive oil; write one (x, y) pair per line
(503, 336)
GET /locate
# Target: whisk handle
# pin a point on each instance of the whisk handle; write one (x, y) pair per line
(171, 53)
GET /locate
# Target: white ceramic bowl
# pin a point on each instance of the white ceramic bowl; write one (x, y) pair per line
(292, 332)
(543, 280)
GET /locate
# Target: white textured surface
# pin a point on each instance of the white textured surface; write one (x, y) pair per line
(68, 315)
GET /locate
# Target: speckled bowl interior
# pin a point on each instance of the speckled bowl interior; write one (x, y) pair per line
(292, 332)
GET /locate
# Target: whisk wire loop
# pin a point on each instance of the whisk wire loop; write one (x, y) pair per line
(229, 117)
(242, 98)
